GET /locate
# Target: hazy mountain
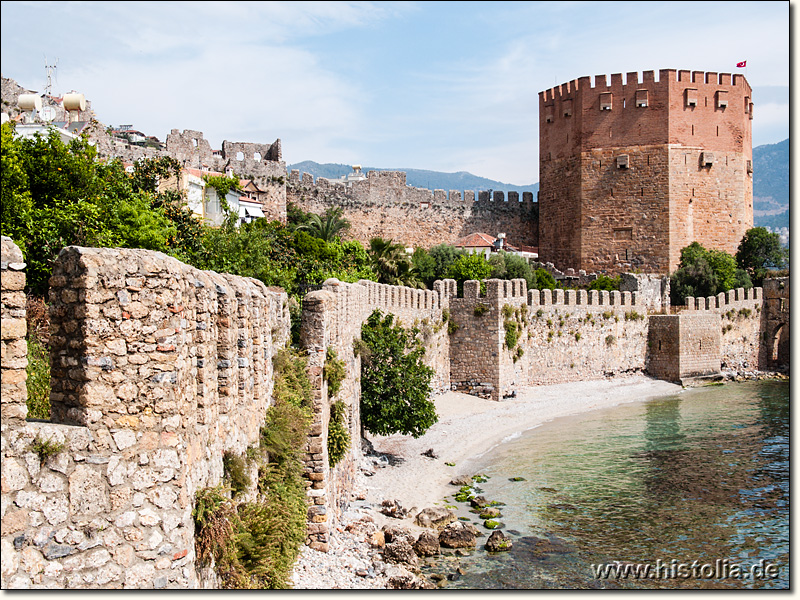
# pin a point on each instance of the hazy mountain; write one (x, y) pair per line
(770, 181)
(771, 184)
(432, 180)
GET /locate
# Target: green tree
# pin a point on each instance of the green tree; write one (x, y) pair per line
(759, 252)
(425, 266)
(606, 283)
(497, 263)
(703, 273)
(57, 194)
(518, 268)
(544, 280)
(467, 267)
(391, 263)
(395, 383)
(15, 197)
(328, 227)
(443, 255)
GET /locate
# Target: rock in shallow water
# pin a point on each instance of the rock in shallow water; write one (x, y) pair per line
(498, 542)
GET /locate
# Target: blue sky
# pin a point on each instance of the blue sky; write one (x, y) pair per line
(446, 86)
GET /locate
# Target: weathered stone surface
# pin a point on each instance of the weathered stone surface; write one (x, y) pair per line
(427, 544)
(400, 551)
(490, 512)
(87, 492)
(458, 535)
(393, 533)
(400, 578)
(498, 542)
(435, 517)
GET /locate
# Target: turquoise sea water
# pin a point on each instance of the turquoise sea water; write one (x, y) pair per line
(695, 486)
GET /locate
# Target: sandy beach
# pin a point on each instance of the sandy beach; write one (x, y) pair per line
(469, 427)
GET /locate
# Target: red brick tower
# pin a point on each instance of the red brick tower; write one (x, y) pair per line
(632, 172)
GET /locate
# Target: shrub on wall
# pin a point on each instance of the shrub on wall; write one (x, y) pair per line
(338, 435)
(333, 371)
(395, 383)
(254, 545)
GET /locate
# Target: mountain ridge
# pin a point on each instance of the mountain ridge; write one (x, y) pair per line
(770, 181)
(421, 178)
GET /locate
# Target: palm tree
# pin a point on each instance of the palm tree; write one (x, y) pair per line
(392, 264)
(328, 227)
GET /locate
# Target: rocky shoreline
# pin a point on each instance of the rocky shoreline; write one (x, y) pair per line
(385, 542)
(387, 546)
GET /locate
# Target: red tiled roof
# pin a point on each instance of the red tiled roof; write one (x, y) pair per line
(476, 240)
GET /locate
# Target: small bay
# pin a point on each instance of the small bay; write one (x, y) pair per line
(693, 487)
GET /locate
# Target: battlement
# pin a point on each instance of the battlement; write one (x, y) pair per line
(397, 180)
(396, 298)
(517, 289)
(646, 79)
(583, 299)
(725, 300)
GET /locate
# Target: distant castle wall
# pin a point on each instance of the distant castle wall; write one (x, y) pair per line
(263, 163)
(382, 205)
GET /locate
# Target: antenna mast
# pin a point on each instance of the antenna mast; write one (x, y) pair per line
(50, 71)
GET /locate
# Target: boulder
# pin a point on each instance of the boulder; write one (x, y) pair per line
(403, 579)
(461, 481)
(458, 535)
(427, 544)
(402, 552)
(393, 533)
(435, 517)
(479, 502)
(490, 512)
(392, 508)
(498, 542)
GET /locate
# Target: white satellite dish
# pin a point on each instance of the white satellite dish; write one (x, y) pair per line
(47, 114)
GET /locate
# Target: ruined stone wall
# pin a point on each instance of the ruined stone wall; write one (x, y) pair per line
(332, 318)
(775, 325)
(262, 163)
(157, 370)
(13, 347)
(383, 205)
(633, 171)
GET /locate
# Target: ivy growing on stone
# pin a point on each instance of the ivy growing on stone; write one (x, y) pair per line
(338, 435)
(334, 371)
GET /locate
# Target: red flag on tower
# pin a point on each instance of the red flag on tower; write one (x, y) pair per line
(742, 64)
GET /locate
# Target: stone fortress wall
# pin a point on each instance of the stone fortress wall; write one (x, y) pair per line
(157, 370)
(332, 318)
(383, 205)
(632, 171)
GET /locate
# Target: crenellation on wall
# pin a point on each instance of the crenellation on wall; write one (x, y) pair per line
(416, 216)
(159, 368)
